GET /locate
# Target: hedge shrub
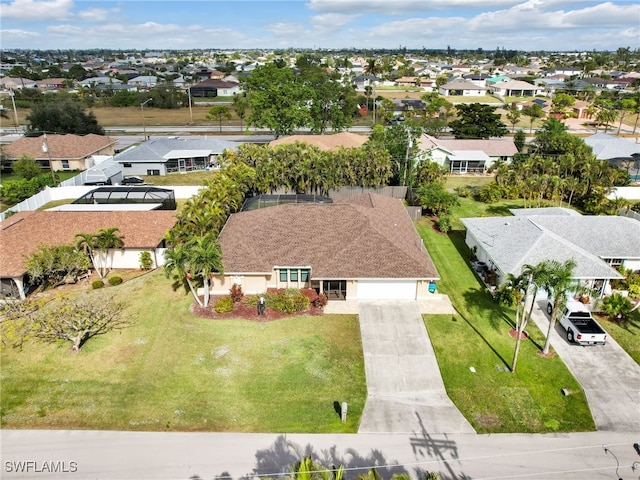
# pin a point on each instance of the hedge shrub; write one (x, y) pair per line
(224, 305)
(96, 284)
(113, 281)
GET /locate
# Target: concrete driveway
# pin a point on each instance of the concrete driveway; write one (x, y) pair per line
(406, 392)
(610, 378)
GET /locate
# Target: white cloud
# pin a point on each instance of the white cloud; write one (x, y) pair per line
(288, 29)
(37, 10)
(96, 15)
(17, 34)
(332, 19)
(396, 7)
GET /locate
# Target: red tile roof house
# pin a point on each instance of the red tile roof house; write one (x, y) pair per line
(66, 152)
(22, 234)
(362, 247)
(467, 155)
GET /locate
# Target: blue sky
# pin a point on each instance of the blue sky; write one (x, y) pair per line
(158, 24)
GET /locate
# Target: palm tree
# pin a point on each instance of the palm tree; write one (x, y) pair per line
(197, 259)
(97, 245)
(372, 67)
(525, 289)
(176, 266)
(557, 280)
(606, 114)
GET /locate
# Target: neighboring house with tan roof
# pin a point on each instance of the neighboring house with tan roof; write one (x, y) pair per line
(22, 234)
(327, 143)
(466, 155)
(66, 152)
(13, 83)
(356, 248)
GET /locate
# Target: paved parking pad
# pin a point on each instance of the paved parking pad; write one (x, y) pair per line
(405, 389)
(608, 375)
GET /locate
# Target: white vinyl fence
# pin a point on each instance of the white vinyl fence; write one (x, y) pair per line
(71, 191)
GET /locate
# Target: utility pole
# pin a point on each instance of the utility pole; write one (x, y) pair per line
(144, 125)
(15, 111)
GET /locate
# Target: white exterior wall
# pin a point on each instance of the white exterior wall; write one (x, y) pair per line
(130, 257)
(632, 264)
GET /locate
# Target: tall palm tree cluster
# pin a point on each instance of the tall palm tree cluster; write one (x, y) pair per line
(194, 254)
(552, 276)
(560, 168)
(97, 246)
(305, 168)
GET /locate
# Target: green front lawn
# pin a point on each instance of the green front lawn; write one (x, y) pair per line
(174, 371)
(529, 400)
(627, 334)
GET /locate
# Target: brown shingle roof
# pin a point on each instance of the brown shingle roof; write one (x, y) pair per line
(324, 142)
(66, 147)
(22, 233)
(368, 236)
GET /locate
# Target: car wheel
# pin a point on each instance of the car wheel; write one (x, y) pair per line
(569, 336)
(549, 308)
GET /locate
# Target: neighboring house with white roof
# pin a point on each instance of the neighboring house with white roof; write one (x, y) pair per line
(515, 88)
(609, 147)
(163, 155)
(598, 244)
(144, 81)
(463, 88)
(466, 155)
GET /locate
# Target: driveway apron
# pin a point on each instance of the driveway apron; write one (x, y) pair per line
(405, 389)
(609, 377)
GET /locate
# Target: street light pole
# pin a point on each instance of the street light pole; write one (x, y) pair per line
(144, 125)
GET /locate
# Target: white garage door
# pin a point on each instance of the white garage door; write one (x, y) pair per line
(386, 289)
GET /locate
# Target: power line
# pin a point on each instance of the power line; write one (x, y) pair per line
(457, 460)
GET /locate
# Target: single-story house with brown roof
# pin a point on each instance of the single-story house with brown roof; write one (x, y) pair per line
(467, 155)
(356, 248)
(329, 142)
(61, 152)
(22, 234)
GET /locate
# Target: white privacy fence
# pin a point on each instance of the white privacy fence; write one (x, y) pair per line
(71, 191)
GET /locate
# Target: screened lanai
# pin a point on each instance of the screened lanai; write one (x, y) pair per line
(163, 197)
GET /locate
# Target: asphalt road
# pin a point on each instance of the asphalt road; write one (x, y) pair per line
(143, 455)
